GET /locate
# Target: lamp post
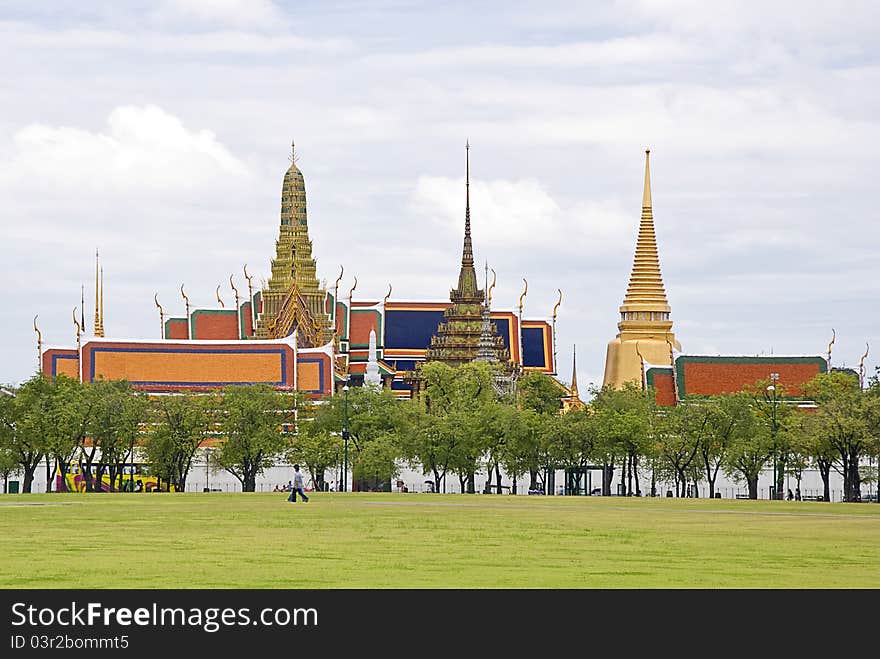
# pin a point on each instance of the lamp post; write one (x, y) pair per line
(774, 377)
(344, 487)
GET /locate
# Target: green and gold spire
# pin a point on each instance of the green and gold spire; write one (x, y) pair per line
(293, 299)
(457, 340)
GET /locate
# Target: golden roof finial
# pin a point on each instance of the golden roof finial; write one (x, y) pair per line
(251, 296)
(222, 306)
(235, 291)
(862, 365)
(492, 285)
(352, 290)
(292, 152)
(521, 297)
(385, 301)
(39, 343)
(833, 339)
(186, 300)
(558, 302)
(161, 315)
(646, 195)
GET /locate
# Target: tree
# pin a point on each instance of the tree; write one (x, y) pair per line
(316, 448)
(119, 410)
(540, 394)
(25, 424)
(724, 416)
(250, 423)
(750, 448)
(371, 416)
(180, 426)
(844, 418)
(440, 430)
(683, 430)
(71, 405)
(570, 440)
(624, 427)
(9, 465)
(771, 409)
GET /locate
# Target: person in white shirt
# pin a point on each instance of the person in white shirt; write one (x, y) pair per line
(298, 485)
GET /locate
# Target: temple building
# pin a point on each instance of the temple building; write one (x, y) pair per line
(294, 333)
(643, 352)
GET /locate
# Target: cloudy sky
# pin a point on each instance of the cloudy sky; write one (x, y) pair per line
(159, 132)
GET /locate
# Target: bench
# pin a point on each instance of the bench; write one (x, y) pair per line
(813, 498)
(742, 496)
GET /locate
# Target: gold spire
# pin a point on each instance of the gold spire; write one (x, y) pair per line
(99, 311)
(102, 301)
(574, 374)
(645, 296)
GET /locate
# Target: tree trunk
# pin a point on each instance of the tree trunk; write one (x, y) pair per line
(49, 476)
(855, 486)
(250, 483)
(28, 481)
(636, 470)
(533, 479)
(497, 479)
(607, 476)
(437, 478)
(471, 483)
(753, 487)
(825, 473)
(629, 475)
(780, 477)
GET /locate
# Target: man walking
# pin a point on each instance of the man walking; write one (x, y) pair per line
(297, 485)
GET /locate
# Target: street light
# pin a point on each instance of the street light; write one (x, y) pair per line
(345, 440)
(774, 377)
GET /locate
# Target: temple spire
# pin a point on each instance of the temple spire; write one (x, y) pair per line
(646, 293)
(467, 277)
(574, 373)
(99, 297)
(467, 255)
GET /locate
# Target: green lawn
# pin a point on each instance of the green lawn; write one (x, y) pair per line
(432, 541)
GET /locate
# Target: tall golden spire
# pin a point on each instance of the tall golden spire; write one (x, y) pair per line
(574, 373)
(99, 297)
(645, 293)
(645, 326)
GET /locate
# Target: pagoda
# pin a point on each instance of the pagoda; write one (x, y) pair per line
(467, 334)
(645, 329)
(293, 300)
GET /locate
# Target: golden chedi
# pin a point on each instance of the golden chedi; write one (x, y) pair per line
(645, 327)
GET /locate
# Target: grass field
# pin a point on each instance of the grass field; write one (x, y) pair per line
(432, 541)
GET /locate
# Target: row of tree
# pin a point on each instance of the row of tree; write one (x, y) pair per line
(461, 425)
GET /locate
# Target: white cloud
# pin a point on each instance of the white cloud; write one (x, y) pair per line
(241, 13)
(235, 39)
(522, 215)
(142, 150)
